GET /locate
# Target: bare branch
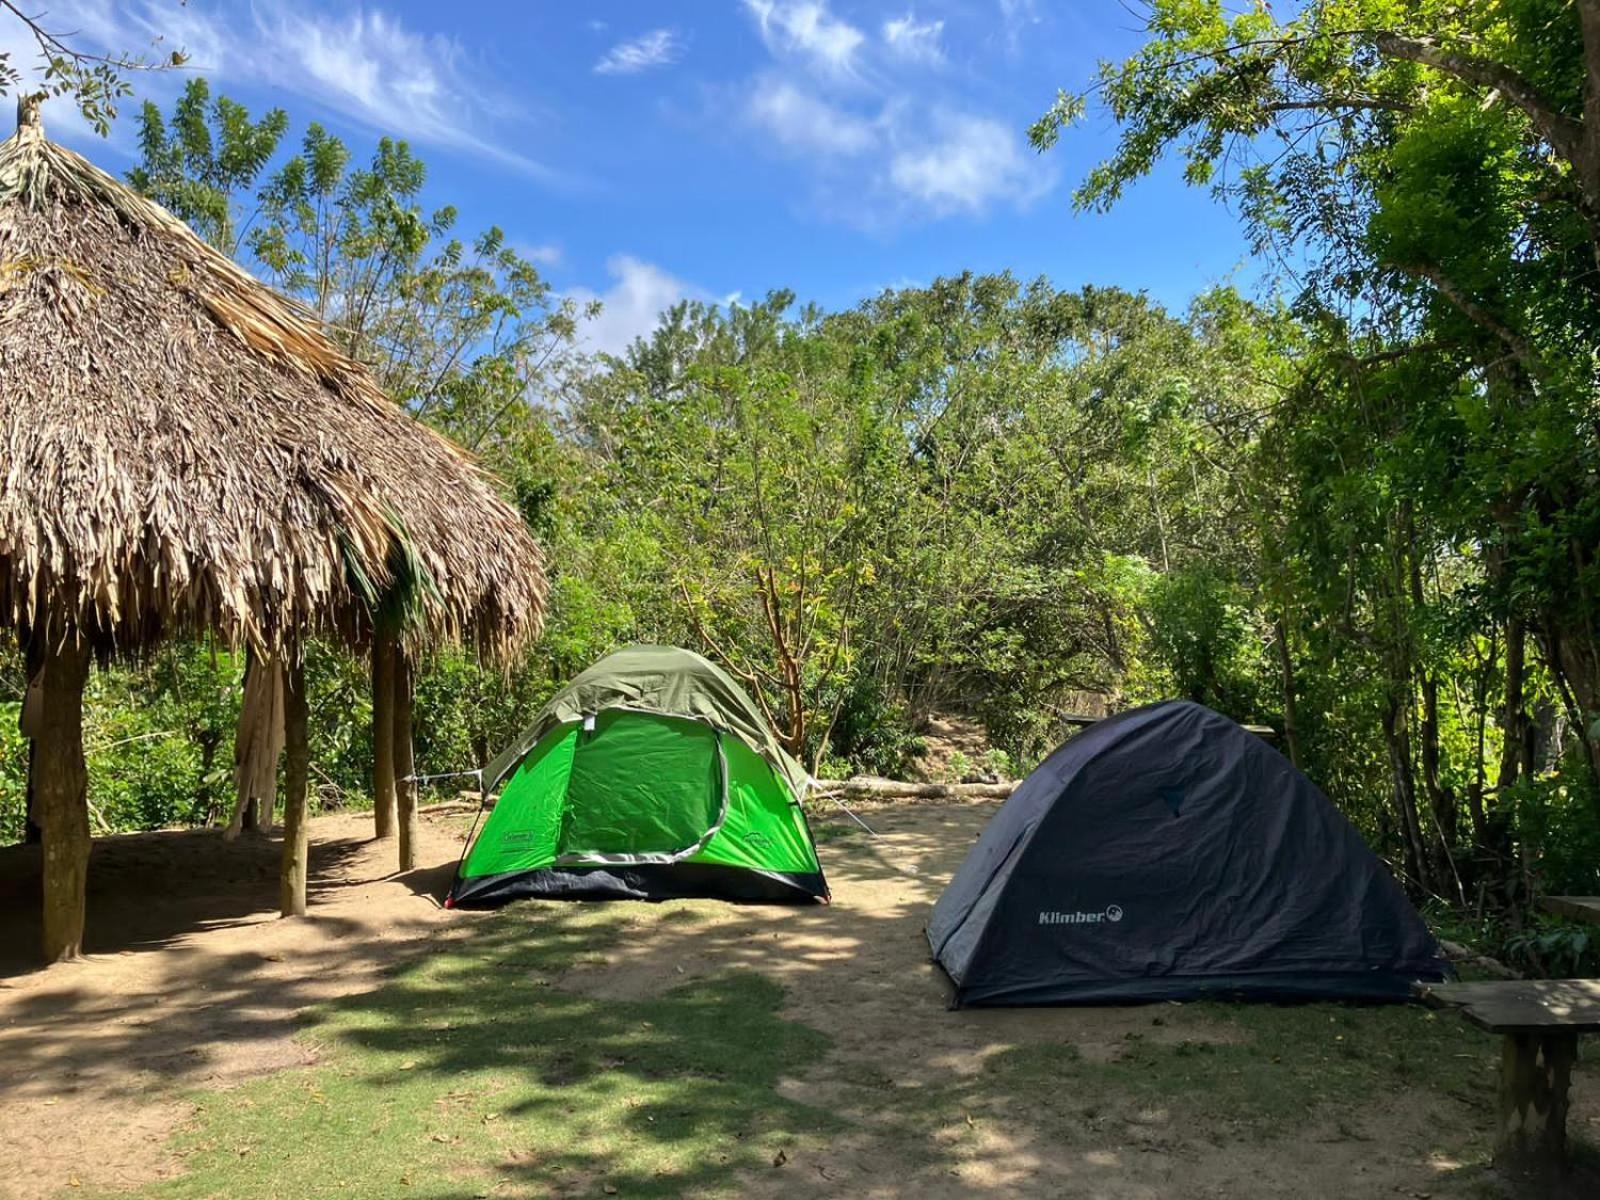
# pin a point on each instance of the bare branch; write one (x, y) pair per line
(1564, 133)
(1521, 349)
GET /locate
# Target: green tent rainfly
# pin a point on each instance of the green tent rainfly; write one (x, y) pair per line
(651, 776)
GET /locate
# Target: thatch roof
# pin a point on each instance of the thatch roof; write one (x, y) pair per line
(186, 448)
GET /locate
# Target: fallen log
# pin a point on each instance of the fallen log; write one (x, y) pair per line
(1458, 953)
(1084, 720)
(466, 803)
(894, 789)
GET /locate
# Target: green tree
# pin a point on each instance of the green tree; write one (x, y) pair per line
(202, 163)
(464, 332)
(1431, 168)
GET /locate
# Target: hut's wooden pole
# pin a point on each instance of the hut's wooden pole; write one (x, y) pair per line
(404, 761)
(62, 790)
(296, 781)
(383, 797)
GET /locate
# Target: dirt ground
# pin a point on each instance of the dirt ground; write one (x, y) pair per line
(192, 982)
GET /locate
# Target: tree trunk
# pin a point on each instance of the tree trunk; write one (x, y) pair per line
(1577, 718)
(1576, 659)
(1443, 799)
(1440, 799)
(383, 797)
(296, 780)
(405, 790)
(1480, 702)
(62, 789)
(208, 743)
(1513, 718)
(1588, 162)
(793, 734)
(1397, 737)
(1291, 719)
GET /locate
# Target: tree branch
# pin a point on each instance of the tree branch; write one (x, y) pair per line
(1521, 349)
(1565, 134)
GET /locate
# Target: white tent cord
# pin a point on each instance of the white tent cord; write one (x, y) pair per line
(829, 796)
(426, 779)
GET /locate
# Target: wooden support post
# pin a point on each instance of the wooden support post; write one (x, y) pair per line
(404, 789)
(1535, 1080)
(383, 797)
(296, 781)
(62, 793)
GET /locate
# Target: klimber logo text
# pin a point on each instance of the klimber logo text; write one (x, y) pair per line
(1112, 912)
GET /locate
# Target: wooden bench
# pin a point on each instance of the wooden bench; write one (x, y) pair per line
(1540, 1020)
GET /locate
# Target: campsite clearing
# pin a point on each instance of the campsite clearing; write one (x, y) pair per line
(386, 1047)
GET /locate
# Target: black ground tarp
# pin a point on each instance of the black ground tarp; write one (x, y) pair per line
(1166, 853)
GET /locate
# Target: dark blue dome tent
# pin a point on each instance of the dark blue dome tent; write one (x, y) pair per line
(1167, 854)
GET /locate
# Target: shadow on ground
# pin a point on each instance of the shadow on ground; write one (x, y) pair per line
(688, 1048)
(145, 889)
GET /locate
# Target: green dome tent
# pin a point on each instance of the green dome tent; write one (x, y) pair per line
(651, 776)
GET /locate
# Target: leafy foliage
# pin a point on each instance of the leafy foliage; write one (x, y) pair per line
(1366, 515)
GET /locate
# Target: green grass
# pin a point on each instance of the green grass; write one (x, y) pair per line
(1268, 1069)
(469, 1075)
(471, 1072)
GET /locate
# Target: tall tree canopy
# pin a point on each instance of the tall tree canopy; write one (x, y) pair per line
(1428, 175)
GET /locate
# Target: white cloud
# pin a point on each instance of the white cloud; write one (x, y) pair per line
(542, 254)
(632, 306)
(965, 164)
(803, 122)
(658, 48)
(1015, 17)
(882, 139)
(371, 68)
(366, 64)
(912, 42)
(806, 28)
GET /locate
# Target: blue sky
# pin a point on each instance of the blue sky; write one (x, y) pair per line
(714, 148)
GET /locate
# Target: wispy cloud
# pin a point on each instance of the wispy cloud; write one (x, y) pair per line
(912, 41)
(543, 254)
(965, 164)
(361, 62)
(658, 48)
(883, 139)
(799, 120)
(370, 67)
(1015, 17)
(807, 29)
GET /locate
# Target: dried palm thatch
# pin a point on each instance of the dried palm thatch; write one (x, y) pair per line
(186, 449)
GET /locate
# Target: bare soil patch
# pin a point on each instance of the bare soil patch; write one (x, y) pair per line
(190, 980)
(193, 983)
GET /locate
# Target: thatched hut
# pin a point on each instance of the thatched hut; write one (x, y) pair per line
(186, 450)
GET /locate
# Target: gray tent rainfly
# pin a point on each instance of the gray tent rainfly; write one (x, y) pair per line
(1168, 854)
